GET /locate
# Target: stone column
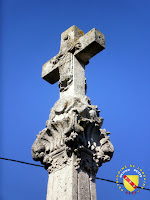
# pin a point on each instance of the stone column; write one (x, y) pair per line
(73, 145)
(70, 182)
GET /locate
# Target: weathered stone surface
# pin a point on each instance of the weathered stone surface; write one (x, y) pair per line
(73, 145)
(68, 66)
(74, 124)
(68, 183)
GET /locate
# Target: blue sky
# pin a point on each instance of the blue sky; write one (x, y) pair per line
(118, 82)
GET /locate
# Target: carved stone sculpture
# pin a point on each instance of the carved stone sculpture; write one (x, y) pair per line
(73, 141)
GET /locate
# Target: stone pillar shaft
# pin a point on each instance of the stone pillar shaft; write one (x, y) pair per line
(70, 183)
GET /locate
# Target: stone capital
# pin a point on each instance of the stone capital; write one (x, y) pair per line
(73, 128)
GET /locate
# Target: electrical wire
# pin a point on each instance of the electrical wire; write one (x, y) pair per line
(118, 183)
(18, 161)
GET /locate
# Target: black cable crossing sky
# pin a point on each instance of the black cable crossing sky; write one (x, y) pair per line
(18, 161)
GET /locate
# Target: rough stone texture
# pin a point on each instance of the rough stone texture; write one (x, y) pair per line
(73, 145)
(68, 66)
(68, 183)
(74, 124)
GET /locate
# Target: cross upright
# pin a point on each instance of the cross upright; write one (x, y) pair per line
(68, 67)
(73, 145)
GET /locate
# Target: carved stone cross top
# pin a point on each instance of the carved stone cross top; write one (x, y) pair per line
(68, 66)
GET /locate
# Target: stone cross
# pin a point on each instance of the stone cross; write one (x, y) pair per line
(73, 145)
(69, 65)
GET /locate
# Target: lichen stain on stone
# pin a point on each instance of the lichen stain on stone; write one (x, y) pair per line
(81, 32)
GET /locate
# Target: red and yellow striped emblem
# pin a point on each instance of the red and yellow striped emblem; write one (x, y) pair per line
(131, 182)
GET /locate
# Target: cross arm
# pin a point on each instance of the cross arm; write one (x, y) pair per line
(89, 45)
(50, 70)
(50, 73)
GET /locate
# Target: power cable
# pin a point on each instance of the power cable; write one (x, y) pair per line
(118, 183)
(18, 161)
(21, 162)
